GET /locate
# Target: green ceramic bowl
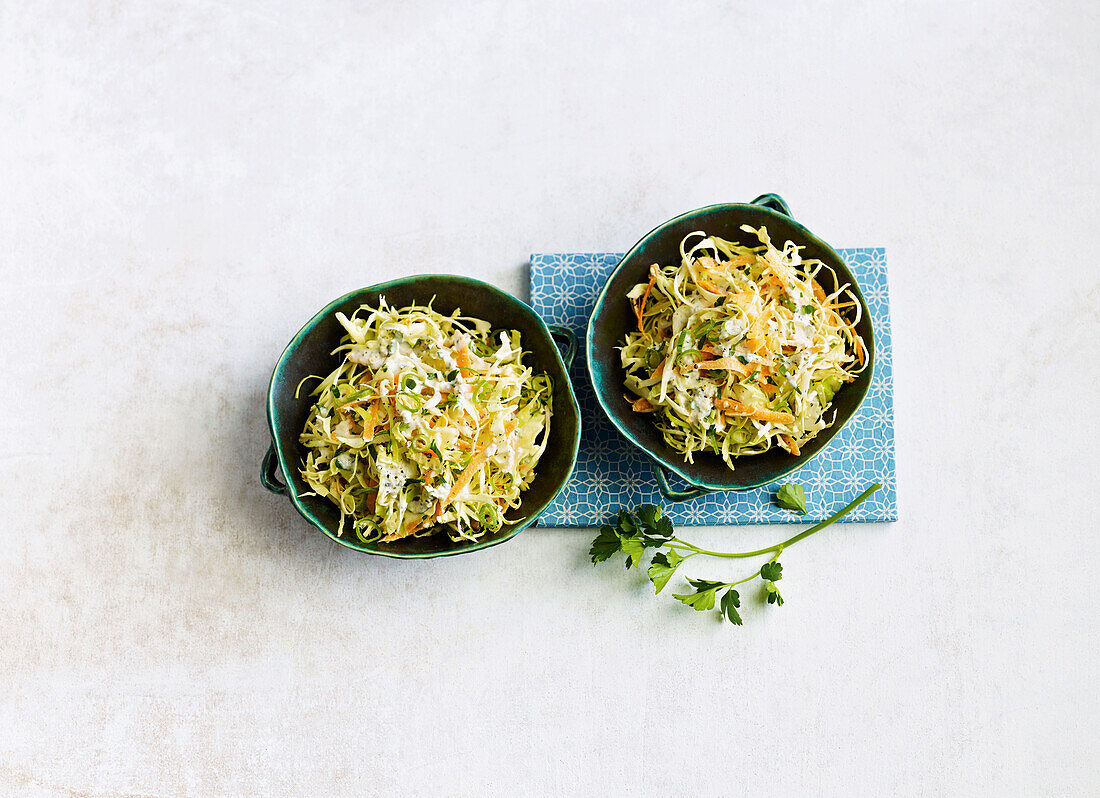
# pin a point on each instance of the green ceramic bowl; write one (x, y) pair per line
(612, 318)
(310, 353)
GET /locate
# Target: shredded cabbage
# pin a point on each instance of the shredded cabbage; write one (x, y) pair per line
(428, 420)
(738, 348)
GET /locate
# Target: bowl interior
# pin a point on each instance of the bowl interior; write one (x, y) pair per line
(310, 353)
(613, 318)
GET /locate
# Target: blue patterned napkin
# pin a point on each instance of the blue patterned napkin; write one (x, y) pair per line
(611, 473)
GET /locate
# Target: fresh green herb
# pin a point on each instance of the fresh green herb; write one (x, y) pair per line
(703, 597)
(606, 545)
(662, 568)
(772, 572)
(648, 528)
(792, 496)
(731, 600)
(808, 308)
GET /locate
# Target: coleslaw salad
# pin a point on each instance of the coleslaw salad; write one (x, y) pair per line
(739, 349)
(429, 420)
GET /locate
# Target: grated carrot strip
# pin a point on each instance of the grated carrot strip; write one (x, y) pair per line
(467, 474)
(725, 363)
(709, 286)
(733, 408)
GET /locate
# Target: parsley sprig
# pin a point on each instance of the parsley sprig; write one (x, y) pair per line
(648, 528)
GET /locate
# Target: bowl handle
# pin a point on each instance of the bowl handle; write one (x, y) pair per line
(269, 470)
(673, 495)
(563, 335)
(773, 202)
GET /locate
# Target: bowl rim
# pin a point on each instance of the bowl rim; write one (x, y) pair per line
(282, 459)
(682, 468)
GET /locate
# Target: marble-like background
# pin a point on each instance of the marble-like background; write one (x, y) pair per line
(182, 184)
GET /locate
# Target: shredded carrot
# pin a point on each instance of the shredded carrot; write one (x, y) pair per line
(791, 444)
(740, 299)
(372, 420)
(410, 527)
(733, 408)
(462, 357)
(643, 406)
(726, 363)
(467, 474)
(710, 287)
(819, 292)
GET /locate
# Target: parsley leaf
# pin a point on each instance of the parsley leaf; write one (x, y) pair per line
(771, 571)
(731, 600)
(664, 528)
(606, 545)
(659, 534)
(648, 514)
(703, 597)
(633, 548)
(662, 568)
(792, 496)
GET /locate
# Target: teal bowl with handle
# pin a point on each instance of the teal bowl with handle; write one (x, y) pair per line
(310, 354)
(612, 318)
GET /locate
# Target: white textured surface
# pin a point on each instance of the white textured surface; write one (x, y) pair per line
(183, 184)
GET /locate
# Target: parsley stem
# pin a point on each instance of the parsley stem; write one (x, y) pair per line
(858, 500)
(748, 578)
